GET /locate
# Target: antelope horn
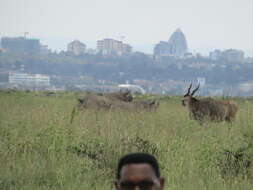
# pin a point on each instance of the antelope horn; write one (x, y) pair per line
(189, 89)
(195, 90)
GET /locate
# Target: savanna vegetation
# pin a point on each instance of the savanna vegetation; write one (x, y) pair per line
(40, 149)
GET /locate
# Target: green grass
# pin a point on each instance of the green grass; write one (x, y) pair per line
(40, 149)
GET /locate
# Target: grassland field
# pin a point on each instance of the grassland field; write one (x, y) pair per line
(40, 149)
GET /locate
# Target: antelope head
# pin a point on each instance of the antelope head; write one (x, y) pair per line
(188, 97)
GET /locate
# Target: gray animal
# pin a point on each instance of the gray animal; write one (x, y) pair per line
(104, 101)
(136, 106)
(208, 108)
(113, 101)
(94, 101)
(116, 102)
(125, 96)
(149, 105)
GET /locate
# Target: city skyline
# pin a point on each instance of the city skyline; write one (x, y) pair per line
(207, 25)
(94, 48)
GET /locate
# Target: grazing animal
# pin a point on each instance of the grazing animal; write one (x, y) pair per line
(94, 101)
(208, 108)
(140, 105)
(125, 96)
(149, 105)
(108, 102)
(104, 101)
(113, 101)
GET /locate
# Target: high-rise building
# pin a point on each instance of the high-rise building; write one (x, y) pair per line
(20, 45)
(110, 46)
(233, 55)
(178, 43)
(176, 46)
(229, 55)
(44, 49)
(163, 48)
(126, 48)
(76, 47)
(215, 55)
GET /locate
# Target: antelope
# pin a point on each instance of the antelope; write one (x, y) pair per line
(208, 108)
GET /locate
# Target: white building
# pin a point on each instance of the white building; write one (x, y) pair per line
(110, 46)
(29, 79)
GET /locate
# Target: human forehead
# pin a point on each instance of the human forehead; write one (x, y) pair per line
(137, 170)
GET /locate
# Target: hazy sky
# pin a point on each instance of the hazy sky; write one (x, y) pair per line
(206, 23)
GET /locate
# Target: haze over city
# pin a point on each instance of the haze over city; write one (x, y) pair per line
(206, 24)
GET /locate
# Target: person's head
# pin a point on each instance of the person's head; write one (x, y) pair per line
(138, 171)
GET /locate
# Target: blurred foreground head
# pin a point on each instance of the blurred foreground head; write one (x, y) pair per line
(138, 171)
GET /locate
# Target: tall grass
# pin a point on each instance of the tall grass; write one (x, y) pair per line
(41, 149)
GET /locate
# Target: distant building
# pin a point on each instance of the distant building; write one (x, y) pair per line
(29, 79)
(176, 46)
(2, 50)
(20, 45)
(76, 47)
(163, 49)
(188, 55)
(215, 55)
(111, 46)
(178, 43)
(91, 51)
(229, 55)
(44, 49)
(126, 48)
(233, 55)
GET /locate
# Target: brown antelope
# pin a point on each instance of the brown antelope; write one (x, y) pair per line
(208, 108)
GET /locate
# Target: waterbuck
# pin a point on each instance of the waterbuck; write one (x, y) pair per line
(208, 108)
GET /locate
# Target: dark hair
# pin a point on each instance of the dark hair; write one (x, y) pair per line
(138, 158)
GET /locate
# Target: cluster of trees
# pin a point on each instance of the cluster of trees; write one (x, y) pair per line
(119, 69)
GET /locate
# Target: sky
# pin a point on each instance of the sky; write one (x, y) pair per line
(207, 24)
